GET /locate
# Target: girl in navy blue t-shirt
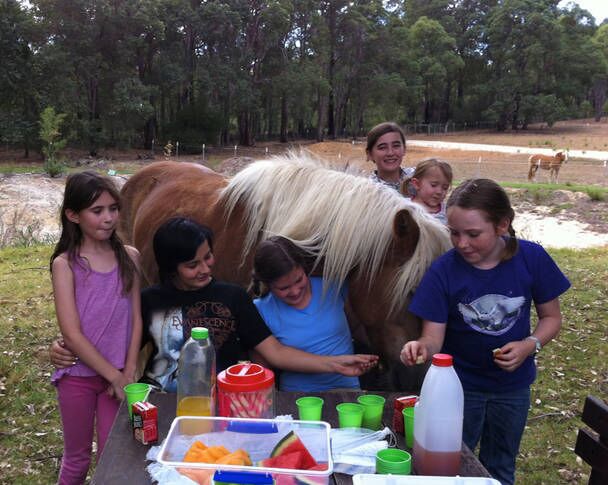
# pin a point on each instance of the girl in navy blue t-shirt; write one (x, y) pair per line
(475, 304)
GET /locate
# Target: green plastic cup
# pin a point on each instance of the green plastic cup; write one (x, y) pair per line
(408, 426)
(373, 409)
(310, 408)
(350, 415)
(135, 392)
(393, 461)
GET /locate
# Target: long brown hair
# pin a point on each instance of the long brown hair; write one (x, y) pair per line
(275, 257)
(82, 189)
(487, 196)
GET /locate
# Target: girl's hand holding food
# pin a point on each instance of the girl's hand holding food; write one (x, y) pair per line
(510, 356)
(414, 352)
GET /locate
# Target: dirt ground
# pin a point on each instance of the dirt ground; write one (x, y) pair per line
(29, 203)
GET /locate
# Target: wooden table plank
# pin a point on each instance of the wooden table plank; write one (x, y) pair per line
(124, 459)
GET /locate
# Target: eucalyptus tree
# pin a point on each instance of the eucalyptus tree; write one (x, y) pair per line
(305, 85)
(467, 24)
(436, 61)
(600, 85)
(90, 58)
(523, 40)
(578, 63)
(18, 76)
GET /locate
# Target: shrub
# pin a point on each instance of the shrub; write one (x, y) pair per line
(596, 194)
(50, 134)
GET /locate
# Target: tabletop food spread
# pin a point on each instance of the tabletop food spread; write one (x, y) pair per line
(333, 437)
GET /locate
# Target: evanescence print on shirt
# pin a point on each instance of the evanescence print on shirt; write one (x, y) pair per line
(492, 314)
(171, 328)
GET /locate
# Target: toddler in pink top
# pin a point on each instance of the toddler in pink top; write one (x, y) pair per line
(96, 293)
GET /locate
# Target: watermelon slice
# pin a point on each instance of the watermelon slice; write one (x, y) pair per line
(293, 461)
(290, 444)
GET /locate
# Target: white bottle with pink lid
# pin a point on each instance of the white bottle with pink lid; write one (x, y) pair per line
(438, 420)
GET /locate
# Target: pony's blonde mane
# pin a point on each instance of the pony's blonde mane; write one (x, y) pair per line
(345, 220)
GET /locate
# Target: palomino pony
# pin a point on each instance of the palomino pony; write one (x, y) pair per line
(360, 232)
(546, 162)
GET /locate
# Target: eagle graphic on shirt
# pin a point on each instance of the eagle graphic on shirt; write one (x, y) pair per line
(492, 314)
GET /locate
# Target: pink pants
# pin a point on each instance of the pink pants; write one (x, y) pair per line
(83, 402)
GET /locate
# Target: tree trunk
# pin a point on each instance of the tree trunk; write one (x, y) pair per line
(149, 132)
(446, 114)
(225, 133)
(245, 122)
(93, 92)
(515, 117)
(269, 117)
(320, 120)
(284, 117)
(331, 126)
(599, 98)
(427, 105)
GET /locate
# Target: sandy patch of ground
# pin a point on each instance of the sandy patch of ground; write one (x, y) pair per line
(29, 207)
(554, 232)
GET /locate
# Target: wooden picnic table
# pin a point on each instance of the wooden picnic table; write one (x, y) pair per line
(124, 459)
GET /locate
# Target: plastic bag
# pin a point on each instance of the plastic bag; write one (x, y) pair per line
(354, 450)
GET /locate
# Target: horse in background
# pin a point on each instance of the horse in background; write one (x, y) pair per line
(546, 162)
(359, 232)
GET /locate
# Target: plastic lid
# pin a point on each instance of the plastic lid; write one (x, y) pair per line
(245, 377)
(199, 333)
(442, 360)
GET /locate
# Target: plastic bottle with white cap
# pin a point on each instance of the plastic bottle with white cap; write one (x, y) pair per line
(196, 376)
(438, 420)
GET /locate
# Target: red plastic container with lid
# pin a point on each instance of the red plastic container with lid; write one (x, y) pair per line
(246, 391)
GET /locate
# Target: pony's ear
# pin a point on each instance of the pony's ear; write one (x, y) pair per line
(406, 234)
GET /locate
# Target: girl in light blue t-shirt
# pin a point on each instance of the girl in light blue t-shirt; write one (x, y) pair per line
(300, 314)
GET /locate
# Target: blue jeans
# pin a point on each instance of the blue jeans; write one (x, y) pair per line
(496, 421)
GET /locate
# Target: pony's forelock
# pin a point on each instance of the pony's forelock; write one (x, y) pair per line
(344, 219)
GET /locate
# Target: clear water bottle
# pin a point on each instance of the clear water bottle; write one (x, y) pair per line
(196, 376)
(438, 420)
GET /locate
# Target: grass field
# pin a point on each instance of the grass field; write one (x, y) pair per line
(569, 369)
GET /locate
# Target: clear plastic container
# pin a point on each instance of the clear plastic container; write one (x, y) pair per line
(196, 378)
(257, 437)
(438, 420)
(369, 479)
(246, 391)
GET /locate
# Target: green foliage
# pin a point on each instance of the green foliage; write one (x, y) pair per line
(128, 73)
(569, 369)
(31, 441)
(596, 194)
(53, 143)
(586, 109)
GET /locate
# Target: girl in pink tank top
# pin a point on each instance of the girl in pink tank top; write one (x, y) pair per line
(96, 292)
